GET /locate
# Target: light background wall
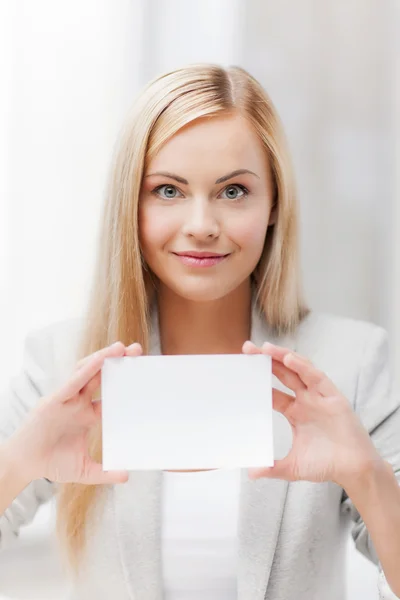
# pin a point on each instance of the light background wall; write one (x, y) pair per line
(71, 70)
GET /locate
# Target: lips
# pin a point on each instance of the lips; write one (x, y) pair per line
(195, 254)
(200, 259)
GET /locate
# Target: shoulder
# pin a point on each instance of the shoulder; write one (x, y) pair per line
(344, 349)
(60, 332)
(54, 346)
(349, 336)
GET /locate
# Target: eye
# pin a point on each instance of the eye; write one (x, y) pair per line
(167, 192)
(235, 192)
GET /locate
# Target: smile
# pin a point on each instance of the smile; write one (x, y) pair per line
(200, 261)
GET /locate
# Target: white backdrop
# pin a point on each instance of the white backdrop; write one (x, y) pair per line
(69, 73)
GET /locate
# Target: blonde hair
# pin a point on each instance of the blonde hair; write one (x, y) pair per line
(118, 308)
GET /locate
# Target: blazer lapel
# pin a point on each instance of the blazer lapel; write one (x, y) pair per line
(262, 503)
(137, 506)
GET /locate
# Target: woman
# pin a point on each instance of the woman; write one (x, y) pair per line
(198, 254)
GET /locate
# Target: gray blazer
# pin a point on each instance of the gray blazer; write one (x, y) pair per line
(292, 536)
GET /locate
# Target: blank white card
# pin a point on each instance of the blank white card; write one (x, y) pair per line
(187, 412)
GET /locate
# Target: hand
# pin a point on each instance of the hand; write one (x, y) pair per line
(329, 441)
(53, 442)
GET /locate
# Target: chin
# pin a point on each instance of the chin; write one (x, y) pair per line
(204, 293)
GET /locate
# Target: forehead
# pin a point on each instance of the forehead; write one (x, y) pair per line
(217, 144)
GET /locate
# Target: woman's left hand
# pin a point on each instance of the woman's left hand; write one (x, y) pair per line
(329, 441)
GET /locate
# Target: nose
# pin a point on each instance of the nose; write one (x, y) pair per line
(201, 222)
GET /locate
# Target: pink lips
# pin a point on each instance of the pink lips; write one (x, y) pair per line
(201, 259)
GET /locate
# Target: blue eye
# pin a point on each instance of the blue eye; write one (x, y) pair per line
(170, 192)
(235, 192)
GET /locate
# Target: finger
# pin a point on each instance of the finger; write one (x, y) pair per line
(279, 354)
(134, 349)
(97, 409)
(281, 402)
(79, 379)
(289, 379)
(85, 374)
(114, 350)
(281, 470)
(310, 375)
(258, 472)
(96, 476)
(92, 386)
(276, 352)
(88, 369)
(250, 348)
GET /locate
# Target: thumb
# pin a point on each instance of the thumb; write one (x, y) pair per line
(280, 470)
(96, 475)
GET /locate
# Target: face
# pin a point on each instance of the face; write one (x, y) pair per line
(205, 206)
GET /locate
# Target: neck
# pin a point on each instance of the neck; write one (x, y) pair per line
(216, 327)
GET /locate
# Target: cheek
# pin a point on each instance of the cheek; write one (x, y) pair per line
(249, 233)
(155, 228)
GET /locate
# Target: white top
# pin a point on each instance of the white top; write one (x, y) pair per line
(199, 534)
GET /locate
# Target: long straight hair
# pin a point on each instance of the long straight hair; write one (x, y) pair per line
(119, 304)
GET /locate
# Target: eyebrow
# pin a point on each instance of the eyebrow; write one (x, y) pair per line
(220, 180)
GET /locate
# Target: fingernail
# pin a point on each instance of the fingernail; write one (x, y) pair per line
(247, 342)
(132, 345)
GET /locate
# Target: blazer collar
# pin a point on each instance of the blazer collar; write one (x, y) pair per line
(137, 507)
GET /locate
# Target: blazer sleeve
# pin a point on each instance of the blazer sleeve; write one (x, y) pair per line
(378, 407)
(24, 391)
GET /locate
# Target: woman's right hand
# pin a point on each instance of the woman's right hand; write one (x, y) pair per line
(53, 442)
